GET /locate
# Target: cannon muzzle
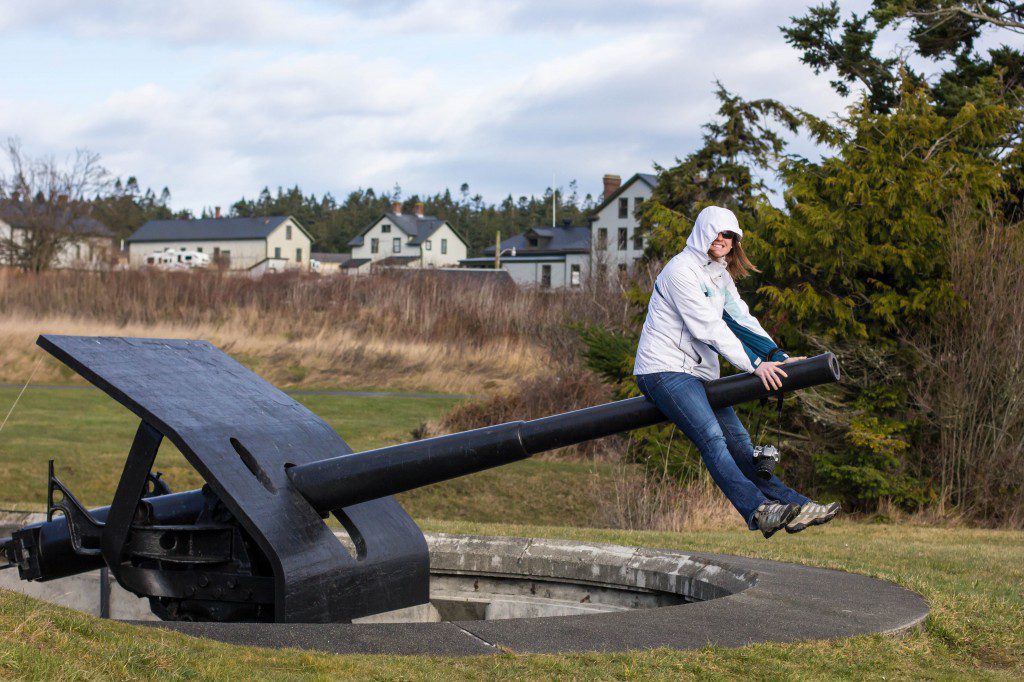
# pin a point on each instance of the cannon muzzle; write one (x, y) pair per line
(349, 479)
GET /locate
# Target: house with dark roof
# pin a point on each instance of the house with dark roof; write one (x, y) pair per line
(87, 244)
(413, 240)
(545, 257)
(258, 244)
(614, 223)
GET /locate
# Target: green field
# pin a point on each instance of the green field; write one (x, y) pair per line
(88, 435)
(972, 579)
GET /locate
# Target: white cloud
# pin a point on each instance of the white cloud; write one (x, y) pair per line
(334, 96)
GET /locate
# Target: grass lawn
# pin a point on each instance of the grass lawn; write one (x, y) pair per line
(88, 436)
(972, 579)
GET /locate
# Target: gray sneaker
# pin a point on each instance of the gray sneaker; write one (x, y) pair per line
(773, 516)
(813, 514)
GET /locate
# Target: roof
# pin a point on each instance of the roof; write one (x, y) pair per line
(206, 229)
(84, 226)
(419, 228)
(552, 240)
(355, 262)
(551, 258)
(649, 179)
(398, 260)
(324, 257)
(89, 227)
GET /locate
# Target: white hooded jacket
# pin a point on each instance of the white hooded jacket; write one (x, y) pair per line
(696, 313)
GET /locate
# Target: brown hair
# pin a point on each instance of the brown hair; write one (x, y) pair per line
(737, 263)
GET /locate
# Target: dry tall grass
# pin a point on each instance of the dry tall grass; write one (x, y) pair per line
(640, 501)
(408, 332)
(972, 389)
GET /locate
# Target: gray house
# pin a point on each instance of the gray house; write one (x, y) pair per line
(546, 257)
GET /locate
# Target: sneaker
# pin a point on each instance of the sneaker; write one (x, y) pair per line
(772, 516)
(813, 514)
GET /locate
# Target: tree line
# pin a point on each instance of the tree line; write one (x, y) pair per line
(49, 203)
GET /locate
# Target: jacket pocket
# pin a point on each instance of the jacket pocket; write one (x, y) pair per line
(687, 348)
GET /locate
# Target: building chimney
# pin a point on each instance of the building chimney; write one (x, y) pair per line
(396, 207)
(419, 209)
(216, 212)
(611, 185)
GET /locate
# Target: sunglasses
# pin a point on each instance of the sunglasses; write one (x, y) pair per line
(730, 235)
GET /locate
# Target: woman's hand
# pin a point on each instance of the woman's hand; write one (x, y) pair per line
(770, 374)
(802, 357)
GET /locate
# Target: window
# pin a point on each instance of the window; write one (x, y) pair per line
(374, 245)
(385, 228)
(545, 276)
(78, 251)
(396, 245)
(444, 246)
(602, 238)
(216, 251)
(623, 207)
(637, 203)
(426, 245)
(277, 252)
(575, 275)
(298, 255)
(622, 268)
(287, 231)
(602, 271)
(638, 240)
(623, 239)
(225, 257)
(199, 249)
(532, 241)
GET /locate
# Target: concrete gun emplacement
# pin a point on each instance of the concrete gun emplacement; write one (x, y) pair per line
(252, 544)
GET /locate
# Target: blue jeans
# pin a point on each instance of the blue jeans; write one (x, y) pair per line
(723, 443)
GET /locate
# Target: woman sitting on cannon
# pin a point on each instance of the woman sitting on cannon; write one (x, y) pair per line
(695, 315)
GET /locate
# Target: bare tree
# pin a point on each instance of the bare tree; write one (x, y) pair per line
(45, 205)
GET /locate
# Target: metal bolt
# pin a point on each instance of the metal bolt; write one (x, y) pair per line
(203, 581)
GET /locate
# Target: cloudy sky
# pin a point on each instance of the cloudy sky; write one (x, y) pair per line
(217, 99)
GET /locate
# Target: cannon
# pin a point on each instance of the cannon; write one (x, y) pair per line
(252, 544)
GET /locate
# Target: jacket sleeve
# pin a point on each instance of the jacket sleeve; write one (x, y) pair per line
(688, 298)
(756, 342)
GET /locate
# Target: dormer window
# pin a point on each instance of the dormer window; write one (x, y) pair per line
(532, 241)
(385, 228)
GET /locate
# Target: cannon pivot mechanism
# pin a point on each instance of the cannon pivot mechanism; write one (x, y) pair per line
(252, 544)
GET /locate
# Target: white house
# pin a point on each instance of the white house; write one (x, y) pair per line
(397, 239)
(615, 240)
(90, 245)
(256, 244)
(545, 257)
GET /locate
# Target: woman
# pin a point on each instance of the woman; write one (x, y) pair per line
(696, 314)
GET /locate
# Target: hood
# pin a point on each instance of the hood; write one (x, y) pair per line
(709, 223)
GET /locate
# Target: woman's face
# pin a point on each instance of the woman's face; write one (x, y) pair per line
(722, 244)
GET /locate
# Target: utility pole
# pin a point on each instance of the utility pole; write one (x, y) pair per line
(497, 250)
(554, 193)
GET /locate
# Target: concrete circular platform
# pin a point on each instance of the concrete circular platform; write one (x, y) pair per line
(719, 600)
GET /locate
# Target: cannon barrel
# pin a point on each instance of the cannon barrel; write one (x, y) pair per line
(341, 481)
(338, 482)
